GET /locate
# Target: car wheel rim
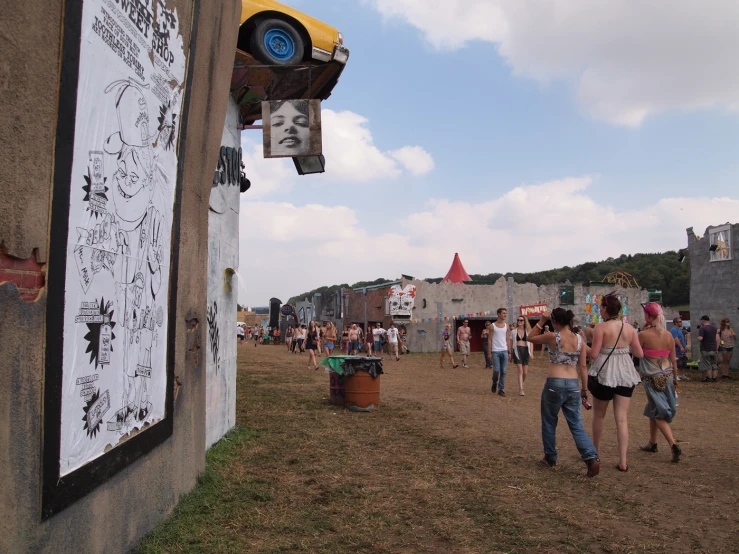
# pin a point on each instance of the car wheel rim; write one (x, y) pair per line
(279, 44)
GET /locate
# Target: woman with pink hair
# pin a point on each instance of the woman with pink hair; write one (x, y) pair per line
(658, 369)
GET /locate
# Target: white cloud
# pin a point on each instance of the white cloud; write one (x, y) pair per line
(286, 249)
(625, 58)
(350, 152)
(415, 159)
(267, 176)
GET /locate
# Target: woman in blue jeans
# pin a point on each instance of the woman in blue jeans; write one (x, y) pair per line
(567, 354)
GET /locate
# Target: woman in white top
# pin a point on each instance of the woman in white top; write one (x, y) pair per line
(521, 349)
(612, 375)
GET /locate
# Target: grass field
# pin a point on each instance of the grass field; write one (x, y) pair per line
(446, 466)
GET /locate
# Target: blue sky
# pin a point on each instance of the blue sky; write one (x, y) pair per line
(608, 133)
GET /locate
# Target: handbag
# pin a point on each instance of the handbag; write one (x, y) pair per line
(593, 381)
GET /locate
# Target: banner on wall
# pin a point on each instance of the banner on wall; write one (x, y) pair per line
(119, 190)
(533, 310)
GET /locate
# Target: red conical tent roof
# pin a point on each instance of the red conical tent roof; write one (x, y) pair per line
(456, 273)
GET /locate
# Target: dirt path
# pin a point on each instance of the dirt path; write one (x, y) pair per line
(446, 466)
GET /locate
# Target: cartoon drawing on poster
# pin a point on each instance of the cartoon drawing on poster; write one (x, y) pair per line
(401, 301)
(122, 192)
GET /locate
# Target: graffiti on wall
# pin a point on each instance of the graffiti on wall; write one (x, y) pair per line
(213, 333)
(592, 308)
(121, 205)
(227, 174)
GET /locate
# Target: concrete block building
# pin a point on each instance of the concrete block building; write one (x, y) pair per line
(714, 278)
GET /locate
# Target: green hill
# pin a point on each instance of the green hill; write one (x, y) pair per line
(660, 271)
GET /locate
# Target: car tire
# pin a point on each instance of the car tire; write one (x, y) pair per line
(277, 42)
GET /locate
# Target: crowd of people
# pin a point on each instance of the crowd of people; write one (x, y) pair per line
(604, 362)
(324, 339)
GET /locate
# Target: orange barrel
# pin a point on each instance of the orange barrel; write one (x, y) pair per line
(336, 391)
(362, 392)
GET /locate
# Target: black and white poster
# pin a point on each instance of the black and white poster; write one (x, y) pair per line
(121, 204)
(292, 128)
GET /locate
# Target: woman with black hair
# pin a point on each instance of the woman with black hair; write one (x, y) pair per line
(567, 353)
(612, 375)
(289, 128)
(311, 344)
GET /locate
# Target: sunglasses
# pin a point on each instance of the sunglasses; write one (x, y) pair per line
(520, 320)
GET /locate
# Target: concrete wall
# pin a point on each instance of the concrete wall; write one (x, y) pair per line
(713, 285)
(309, 311)
(362, 307)
(452, 300)
(115, 515)
(223, 262)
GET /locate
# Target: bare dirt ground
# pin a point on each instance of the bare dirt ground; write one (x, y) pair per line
(446, 466)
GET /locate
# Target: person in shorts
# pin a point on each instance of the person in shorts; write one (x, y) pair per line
(681, 348)
(726, 338)
(612, 375)
(446, 346)
(463, 341)
(353, 340)
(392, 340)
(707, 335)
(329, 337)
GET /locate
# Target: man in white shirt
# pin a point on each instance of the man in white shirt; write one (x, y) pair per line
(392, 339)
(500, 349)
(377, 333)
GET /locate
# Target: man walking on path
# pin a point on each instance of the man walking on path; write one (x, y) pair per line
(392, 339)
(709, 350)
(681, 348)
(463, 341)
(500, 348)
(354, 339)
(377, 334)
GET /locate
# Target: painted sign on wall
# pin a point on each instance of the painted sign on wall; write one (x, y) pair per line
(533, 310)
(592, 308)
(119, 190)
(401, 301)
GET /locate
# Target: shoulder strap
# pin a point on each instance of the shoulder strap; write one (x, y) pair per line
(612, 349)
(557, 338)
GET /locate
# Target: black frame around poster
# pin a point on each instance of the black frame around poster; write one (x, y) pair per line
(60, 492)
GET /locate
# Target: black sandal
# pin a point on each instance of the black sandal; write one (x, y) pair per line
(649, 447)
(618, 467)
(676, 453)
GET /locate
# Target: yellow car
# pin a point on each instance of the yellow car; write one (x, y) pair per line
(277, 34)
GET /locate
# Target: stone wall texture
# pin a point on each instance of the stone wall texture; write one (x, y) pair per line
(714, 285)
(117, 514)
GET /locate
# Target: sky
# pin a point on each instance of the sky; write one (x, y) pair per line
(523, 134)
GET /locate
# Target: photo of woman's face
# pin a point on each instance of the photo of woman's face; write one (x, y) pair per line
(290, 131)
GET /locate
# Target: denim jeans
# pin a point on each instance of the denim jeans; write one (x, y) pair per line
(563, 394)
(485, 351)
(500, 368)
